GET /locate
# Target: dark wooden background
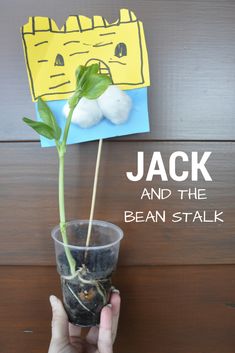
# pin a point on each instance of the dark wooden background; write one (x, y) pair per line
(177, 280)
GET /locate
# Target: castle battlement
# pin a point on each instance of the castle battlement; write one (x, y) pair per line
(52, 54)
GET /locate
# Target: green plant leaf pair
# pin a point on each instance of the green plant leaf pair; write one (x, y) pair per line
(41, 128)
(49, 128)
(89, 83)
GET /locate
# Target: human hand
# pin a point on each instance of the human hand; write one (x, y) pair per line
(66, 338)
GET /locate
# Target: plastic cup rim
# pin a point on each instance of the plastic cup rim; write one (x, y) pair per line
(95, 221)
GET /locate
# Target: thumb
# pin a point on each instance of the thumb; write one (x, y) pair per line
(59, 324)
(105, 343)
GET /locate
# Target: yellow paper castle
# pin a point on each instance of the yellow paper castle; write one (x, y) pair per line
(52, 55)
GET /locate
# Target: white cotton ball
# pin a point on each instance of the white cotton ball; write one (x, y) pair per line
(115, 104)
(86, 113)
(66, 109)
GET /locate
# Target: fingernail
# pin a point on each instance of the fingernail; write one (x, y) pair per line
(109, 305)
(115, 290)
(53, 300)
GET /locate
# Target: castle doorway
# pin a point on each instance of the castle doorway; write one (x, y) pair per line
(103, 67)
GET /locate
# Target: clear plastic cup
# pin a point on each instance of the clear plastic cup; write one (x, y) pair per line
(87, 290)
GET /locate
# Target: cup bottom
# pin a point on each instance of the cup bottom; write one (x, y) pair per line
(84, 298)
(87, 285)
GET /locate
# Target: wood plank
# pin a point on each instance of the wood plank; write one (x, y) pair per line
(191, 54)
(28, 209)
(164, 309)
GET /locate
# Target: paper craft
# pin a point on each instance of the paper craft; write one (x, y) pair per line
(136, 123)
(52, 56)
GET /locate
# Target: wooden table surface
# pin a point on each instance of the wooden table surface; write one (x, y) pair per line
(177, 280)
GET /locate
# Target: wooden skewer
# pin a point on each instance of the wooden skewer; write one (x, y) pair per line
(94, 192)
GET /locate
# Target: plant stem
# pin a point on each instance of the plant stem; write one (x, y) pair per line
(69, 256)
(61, 147)
(67, 125)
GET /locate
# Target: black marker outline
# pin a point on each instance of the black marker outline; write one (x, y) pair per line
(86, 29)
(117, 62)
(141, 53)
(82, 30)
(79, 52)
(104, 22)
(71, 41)
(101, 45)
(51, 94)
(61, 84)
(130, 15)
(45, 41)
(99, 61)
(92, 22)
(27, 62)
(79, 24)
(62, 74)
(107, 34)
(33, 24)
(50, 24)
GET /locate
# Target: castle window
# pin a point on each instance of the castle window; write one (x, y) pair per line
(120, 50)
(59, 60)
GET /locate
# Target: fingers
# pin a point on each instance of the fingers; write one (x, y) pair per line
(115, 301)
(105, 342)
(74, 331)
(92, 336)
(59, 323)
(109, 323)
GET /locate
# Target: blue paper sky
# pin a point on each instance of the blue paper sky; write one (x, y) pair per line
(137, 122)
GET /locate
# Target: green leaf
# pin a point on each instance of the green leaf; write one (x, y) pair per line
(90, 84)
(95, 85)
(48, 117)
(92, 69)
(79, 73)
(41, 128)
(83, 72)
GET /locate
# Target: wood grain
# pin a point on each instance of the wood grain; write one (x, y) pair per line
(164, 309)
(191, 55)
(28, 209)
